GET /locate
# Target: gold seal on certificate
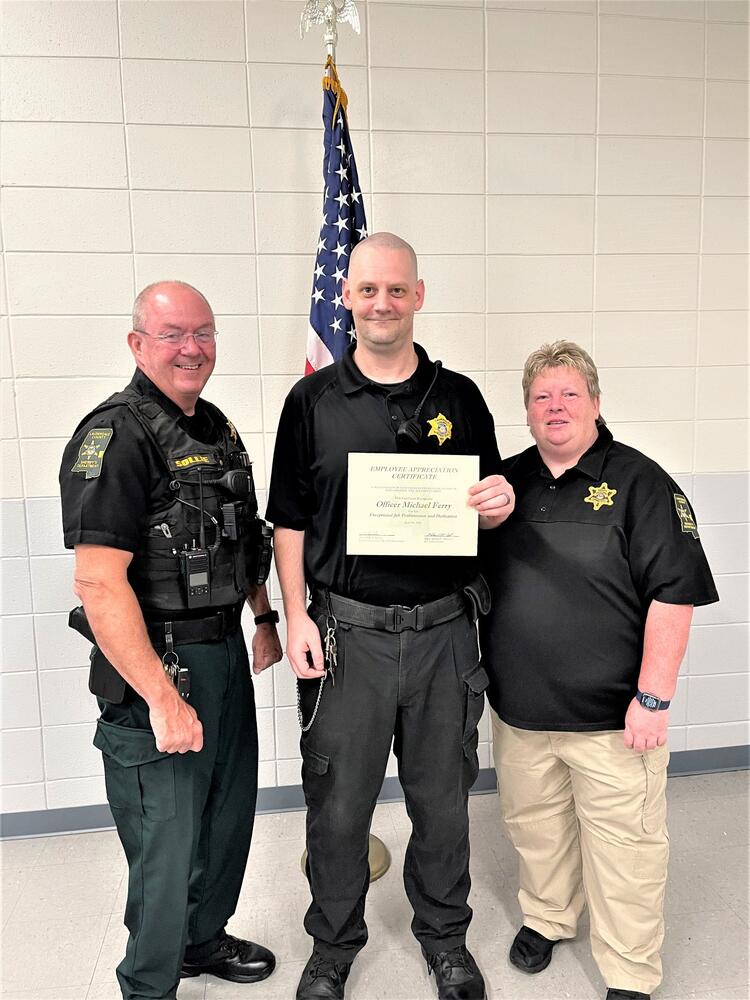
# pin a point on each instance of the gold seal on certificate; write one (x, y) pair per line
(411, 505)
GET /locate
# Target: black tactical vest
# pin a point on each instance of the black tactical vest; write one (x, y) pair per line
(233, 534)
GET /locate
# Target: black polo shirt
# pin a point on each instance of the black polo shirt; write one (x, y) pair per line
(338, 410)
(573, 572)
(109, 508)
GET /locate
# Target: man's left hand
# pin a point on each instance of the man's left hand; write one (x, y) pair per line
(266, 647)
(645, 730)
(493, 499)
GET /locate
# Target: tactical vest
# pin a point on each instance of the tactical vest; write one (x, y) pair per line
(237, 540)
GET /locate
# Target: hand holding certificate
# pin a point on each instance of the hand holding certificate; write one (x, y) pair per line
(411, 505)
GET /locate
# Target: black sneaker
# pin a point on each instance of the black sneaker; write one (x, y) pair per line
(456, 974)
(530, 951)
(229, 958)
(613, 994)
(323, 979)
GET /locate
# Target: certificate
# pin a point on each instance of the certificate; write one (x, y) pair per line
(411, 505)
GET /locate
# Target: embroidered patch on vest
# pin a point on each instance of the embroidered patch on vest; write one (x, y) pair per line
(91, 453)
(188, 460)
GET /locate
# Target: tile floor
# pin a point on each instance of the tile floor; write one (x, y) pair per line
(63, 900)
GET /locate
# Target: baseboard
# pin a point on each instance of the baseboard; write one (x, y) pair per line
(78, 819)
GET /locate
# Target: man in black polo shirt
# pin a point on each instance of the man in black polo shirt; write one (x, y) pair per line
(391, 672)
(593, 583)
(158, 503)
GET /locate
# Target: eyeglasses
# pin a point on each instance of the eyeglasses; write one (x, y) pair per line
(203, 338)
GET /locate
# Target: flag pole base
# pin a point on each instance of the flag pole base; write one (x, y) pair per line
(379, 858)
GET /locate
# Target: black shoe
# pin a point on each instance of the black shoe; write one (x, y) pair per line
(229, 958)
(456, 974)
(323, 979)
(613, 994)
(530, 951)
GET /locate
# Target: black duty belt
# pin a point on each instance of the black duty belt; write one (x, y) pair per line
(212, 628)
(473, 598)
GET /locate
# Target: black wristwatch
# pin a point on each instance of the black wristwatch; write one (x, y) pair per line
(267, 616)
(650, 702)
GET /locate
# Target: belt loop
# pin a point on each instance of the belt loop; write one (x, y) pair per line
(419, 618)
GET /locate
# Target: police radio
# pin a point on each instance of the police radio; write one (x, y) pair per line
(195, 563)
(196, 572)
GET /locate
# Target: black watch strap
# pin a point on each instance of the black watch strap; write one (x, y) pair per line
(651, 702)
(267, 616)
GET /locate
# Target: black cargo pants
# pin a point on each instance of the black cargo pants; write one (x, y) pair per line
(184, 820)
(426, 691)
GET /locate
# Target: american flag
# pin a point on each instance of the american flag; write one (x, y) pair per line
(343, 226)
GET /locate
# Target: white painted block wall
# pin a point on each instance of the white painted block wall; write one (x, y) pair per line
(564, 168)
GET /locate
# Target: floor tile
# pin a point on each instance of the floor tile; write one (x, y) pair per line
(53, 993)
(76, 880)
(71, 947)
(101, 847)
(704, 951)
(21, 853)
(12, 881)
(270, 828)
(281, 985)
(58, 891)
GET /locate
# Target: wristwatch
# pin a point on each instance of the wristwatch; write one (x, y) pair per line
(650, 702)
(267, 616)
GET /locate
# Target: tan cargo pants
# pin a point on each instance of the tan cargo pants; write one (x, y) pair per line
(588, 819)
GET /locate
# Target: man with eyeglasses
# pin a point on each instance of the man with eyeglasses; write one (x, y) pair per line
(158, 503)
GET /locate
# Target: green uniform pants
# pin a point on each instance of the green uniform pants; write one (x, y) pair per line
(184, 820)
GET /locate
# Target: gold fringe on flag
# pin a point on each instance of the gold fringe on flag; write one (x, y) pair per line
(331, 82)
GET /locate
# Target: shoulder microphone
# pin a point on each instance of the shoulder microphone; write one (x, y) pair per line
(410, 431)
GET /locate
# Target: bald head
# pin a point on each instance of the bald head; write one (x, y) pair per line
(384, 241)
(160, 290)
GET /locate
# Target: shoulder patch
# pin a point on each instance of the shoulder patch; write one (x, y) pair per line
(687, 521)
(91, 453)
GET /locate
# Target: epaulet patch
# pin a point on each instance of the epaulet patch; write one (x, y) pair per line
(91, 453)
(687, 521)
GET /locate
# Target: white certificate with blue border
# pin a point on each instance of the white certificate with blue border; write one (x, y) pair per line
(411, 505)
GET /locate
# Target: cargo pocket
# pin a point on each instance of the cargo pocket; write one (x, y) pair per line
(475, 682)
(314, 771)
(138, 777)
(654, 802)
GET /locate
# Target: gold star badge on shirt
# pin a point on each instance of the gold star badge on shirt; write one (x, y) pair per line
(600, 496)
(440, 427)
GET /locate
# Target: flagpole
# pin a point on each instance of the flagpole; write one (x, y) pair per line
(329, 13)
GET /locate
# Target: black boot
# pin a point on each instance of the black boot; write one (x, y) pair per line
(530, 951)
(323, 979)
(613, 994)
(229, 958)
(456, 974)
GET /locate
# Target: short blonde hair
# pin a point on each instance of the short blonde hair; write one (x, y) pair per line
(560, 354)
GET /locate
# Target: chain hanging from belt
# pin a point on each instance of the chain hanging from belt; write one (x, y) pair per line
(330, 660)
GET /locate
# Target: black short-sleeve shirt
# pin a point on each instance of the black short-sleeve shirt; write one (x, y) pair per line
(110, 508)
(338, 410)
(573, 572)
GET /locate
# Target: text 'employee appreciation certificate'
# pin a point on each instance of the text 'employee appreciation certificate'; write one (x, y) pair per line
(411, 505)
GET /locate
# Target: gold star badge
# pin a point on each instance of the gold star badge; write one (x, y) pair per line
(440, 427)
(600, 496)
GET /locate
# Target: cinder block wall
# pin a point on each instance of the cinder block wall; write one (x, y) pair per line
(566, 168)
